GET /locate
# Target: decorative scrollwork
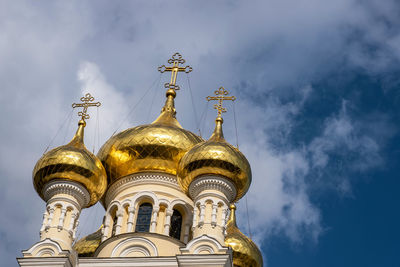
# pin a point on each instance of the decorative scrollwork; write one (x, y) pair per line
(174, 69)
(176, 58)
(86, 103)
(221, 95)
(172, 86)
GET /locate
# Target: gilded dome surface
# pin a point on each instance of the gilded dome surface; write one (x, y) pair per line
(245, 252)
(87, 245)
(72, 162)
(153, 147)
(217, 157)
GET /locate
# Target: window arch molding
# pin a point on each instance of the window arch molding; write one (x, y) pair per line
(182, 206)
(145, 196)
(112, 216)
(185, 212)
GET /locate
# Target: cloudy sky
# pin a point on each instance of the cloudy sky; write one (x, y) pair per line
(317, 111)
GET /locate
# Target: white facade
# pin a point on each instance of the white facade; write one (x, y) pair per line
(201, 241)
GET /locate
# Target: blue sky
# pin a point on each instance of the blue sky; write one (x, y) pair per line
(317, 113)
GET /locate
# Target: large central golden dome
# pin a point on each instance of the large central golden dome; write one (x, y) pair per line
(153, 147)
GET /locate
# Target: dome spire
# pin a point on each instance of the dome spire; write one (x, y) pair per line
(168, 112)
(245, 251)
(232, 217)
(77, 141)
(221, 95)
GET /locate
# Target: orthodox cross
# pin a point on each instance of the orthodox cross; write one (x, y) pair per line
(174, 69)
(221, 95)
(86, 102)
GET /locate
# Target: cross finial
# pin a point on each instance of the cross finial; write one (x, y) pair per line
(221, 95)
(174, 69)
(85, 104)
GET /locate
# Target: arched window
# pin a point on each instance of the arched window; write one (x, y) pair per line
(144, 217)
(176, 225)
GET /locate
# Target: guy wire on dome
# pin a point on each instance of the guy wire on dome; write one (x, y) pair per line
(175, 60)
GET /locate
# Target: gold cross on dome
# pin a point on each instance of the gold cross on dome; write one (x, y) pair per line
(221, 95)
(85, 104)
(174, 69)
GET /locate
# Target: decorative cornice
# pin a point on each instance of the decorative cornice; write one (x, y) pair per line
(137, 179)
(209, 182)
(69, 188)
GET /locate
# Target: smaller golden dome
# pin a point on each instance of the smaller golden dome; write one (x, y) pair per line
(72, 162)
(87, 245)
(245, 252)
(217, 157)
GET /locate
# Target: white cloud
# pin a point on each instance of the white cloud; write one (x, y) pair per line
(345, 137)
(114, 106)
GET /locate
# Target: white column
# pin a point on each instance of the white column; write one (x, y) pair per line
(72, 222)
(202, 214)
(214, 189)
(50, 218)
(61, 220)
(195, 211)
(120, 214)
(167, 221)
(131, 212)
(59, 195)
(106, 227)
(214, 215)
(45, 214)
(223, 216)
(154, 220)
(186, 233)
(75, 228)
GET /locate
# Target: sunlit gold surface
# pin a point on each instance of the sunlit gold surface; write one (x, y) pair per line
(153, 147)
(87, 245)
(72, 162)
(215, 156)
(245, 252)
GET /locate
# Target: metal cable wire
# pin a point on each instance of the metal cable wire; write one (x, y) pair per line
(98, 127)
(248, 218)
(203, 117)
(237, 145)
(68, 127)
(193, 105)
(68, 117)
(152, 103)
(96, 131)
(236, 131)
(136, 105)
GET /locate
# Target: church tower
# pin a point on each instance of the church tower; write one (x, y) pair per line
(168, 195)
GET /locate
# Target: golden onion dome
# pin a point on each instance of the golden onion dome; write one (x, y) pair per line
(86, 246)
(153, 147)
(72, 162)
(217, 157)
(245, 252)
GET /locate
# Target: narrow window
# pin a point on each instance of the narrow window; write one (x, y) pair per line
(114, 227)
(176, 225)
(144, 217)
